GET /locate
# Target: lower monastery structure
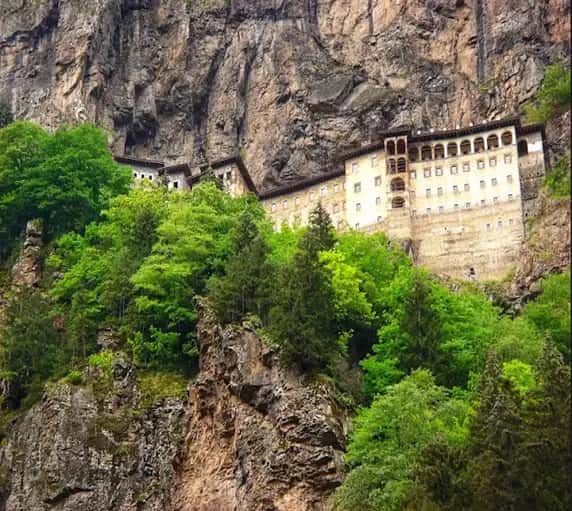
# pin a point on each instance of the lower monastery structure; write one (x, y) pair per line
(459, 197)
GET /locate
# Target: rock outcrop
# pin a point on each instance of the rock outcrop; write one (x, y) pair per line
(289, 83)
(79, 450)
(27, 270)
(259, 437)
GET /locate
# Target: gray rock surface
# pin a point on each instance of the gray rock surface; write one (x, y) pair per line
(289, 83)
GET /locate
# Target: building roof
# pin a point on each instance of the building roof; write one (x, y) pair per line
(300, 185)
(236, 160)
(141, 162)
(177, 169)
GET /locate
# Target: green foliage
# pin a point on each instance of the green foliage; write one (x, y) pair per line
(558, 179)
(158, 386)
(553, 96)
(6, 116)
(303, 317)
(30, 348)
(550, 312)
(65, 179)
(389, 436)
(102, 360)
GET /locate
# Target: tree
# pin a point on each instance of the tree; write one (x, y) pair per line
(303, 317)
(553, 97)
(65, 179)
(243, 288)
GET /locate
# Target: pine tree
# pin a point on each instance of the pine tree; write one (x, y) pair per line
(242, 289)
(303, 319)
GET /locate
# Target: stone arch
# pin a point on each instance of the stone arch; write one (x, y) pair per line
(506, 138)
(479, 144)
(414, 154)
(397, 185)
(390, 147)
(452, 149)
(397, 203)
(439, 152)
(466, 147)
(492, 142)
(522, 147)
(426, 153)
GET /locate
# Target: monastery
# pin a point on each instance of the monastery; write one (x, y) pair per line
(459, 197)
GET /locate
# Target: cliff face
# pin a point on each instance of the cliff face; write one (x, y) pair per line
(286, 82)
(254, 437)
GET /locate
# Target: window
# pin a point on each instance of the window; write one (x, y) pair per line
(397, 185)
(134, 174)
(508, 158)
(439, 171)
(285, 204)
(467, 187)
(479, 145)
(273, 208)
(358, 207)
(392, 166)
(499, 223)
(374, 161)
(481, 164)
(357, 225)
(414, 213)
(336, 188)
(398, 202)
(228, 176)
(378, 201)
(401, 165)
(390, 147)
(413, 154)
(323, 190)
(428, 192)
(377, 181)
(509, 179)
(483, 202)
(466, 167)
(483, 184)
(488, 227)
(357, 187)
(297, 201)
(455, 189)
(413, 174)
(412, 194)
(454, 170)
(401, 146)
(441, 209)
(379, 219)
(494, 181)
(426, 153)
(428, 210)
(522, 147)
(150, 178)
(336, 208)
(492, 162)
(492, 142)
(467, 205)
(495, 200)
(452, 149)
(354, 167)
(439, 152)
(506, 138)
(510, 196)
(439, 191)
(455, 207)
(175, 184)
(465, 147)
(427, 172)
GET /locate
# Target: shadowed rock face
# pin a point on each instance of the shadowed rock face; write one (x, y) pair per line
(259, 438)
(287, 82)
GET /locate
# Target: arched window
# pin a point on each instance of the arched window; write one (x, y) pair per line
(392, 165)
(439, 152)
(397, 202)
(390, 147)
(401, 146)
(401, 165)
(426, 153)
(479, 145)
(414, 154)
(506, 138)
(492, 142)
(465, 147)
(452, 149)
(522, 147)
(397, 185)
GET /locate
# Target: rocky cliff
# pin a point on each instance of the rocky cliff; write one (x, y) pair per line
(252, 437)
(288, 83)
